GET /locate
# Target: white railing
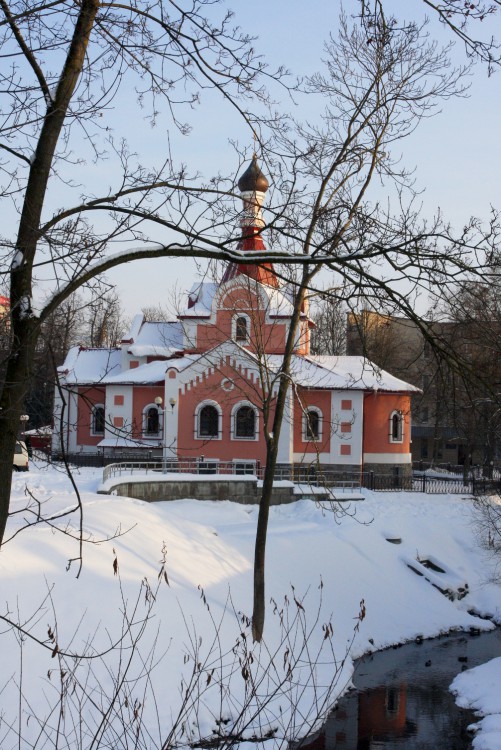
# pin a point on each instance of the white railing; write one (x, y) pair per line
(297, 474)
(131, 467)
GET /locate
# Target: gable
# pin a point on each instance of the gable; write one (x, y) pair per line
(223, 360)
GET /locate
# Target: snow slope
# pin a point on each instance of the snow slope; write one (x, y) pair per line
(321, 566)
(480, 689)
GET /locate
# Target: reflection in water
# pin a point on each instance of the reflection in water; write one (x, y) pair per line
(402, 699)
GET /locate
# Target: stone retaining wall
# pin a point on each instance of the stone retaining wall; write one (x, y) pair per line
(241, 491)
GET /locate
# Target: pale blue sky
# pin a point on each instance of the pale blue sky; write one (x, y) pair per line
(457, 154)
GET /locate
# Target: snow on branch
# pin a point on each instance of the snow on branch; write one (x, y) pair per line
(173, 250)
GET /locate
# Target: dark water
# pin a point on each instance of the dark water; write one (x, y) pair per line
(402, 697)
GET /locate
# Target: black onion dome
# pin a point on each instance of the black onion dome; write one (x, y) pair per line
(253, 180)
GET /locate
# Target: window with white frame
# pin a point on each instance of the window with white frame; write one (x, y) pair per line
(241, 328)
(244, 466)
(244, 420)
(312, 424)
(208, 421)
(208, 467)
(151, 421)
(98, 420)
(396, 427)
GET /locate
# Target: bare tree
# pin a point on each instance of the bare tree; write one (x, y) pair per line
(377, 91)
(67, 65)
(329, 334)
(227, 689)
(89, 321)
(464, 21)
(104, 320)
(61, 330)
(469, 320)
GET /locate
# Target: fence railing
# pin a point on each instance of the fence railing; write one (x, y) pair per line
(486, 471)
(296, 474)
(432, 485)
(299, 474)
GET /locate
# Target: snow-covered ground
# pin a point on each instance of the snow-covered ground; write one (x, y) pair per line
(180, 573)
(480, 689)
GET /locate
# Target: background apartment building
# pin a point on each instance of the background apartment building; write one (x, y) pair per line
(456, 418)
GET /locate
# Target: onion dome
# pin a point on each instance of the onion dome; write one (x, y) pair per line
(253, 180)
(253, 185)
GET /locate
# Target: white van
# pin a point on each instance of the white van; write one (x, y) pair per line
(21, 462)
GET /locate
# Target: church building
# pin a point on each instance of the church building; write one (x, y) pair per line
(194, 389)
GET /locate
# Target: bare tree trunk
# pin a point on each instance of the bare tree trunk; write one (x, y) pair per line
(25, 326)
(272, 441)
(11, 408)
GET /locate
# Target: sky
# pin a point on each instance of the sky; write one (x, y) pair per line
(207, 553)
(456, 154)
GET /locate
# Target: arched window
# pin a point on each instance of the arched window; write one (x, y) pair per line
(245, 423)
(208, 421)
(98, 420)
(396, 427)
(241, 328)
(312, 424)
(151, 420)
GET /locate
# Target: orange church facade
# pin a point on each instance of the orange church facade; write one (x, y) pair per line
(201, 387)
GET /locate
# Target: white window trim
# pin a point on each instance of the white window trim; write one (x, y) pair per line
(234, 327)
(397, 413)
(305, 437)
(93, 409)
(236, 407)
(152, 435)
(196, 428)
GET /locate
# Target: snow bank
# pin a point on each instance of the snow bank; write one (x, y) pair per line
(322, 563)
(480, 689)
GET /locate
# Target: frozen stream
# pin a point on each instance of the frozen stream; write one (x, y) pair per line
(402, 697)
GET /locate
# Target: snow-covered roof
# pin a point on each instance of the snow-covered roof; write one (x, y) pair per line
(103, 366)
(135, 327)
(200, 295)
(45, 431)
(160, 339)
(278, 304)
(153, 372)
(180, 363)
(340, 373)
(333, 373)
(123, 442)
(85, 366)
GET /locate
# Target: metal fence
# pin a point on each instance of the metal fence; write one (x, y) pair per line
(432, 485)
(296, 474)
(226, 468)
(299, 474)
(487, 471)
(98, 460)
